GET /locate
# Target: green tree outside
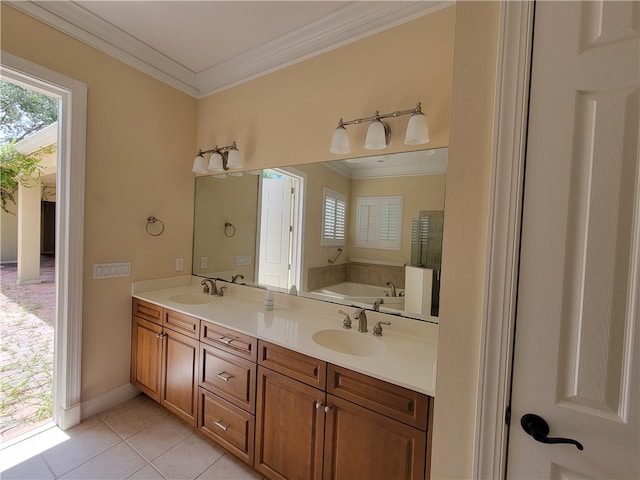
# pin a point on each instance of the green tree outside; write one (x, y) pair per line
(23, 112)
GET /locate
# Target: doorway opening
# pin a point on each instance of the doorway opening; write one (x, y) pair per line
(29, 154)
(280, 229)
(69, 234)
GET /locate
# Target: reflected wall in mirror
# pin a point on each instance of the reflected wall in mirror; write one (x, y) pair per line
(352, 232)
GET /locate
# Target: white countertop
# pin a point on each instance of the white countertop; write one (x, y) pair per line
(411, 346)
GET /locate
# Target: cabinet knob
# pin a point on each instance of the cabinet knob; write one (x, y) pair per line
(319, 405)
(327, 409)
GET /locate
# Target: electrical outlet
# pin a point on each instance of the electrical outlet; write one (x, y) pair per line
(179, 264)
(204, 262)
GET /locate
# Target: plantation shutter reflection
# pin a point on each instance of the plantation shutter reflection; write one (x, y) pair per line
(379, 222)
(333, 218)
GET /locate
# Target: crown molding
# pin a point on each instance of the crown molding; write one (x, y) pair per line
(354, 21)
(77, 22)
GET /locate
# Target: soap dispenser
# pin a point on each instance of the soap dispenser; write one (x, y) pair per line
(268, 301)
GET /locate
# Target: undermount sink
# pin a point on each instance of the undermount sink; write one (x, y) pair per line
(350, 342)
(191, 298)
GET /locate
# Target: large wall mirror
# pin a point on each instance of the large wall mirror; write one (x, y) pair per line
(365, 231)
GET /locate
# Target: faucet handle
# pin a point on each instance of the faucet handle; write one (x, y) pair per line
(346, 322)
(377, 329)
(221, 290)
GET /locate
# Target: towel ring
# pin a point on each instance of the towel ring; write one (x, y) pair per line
(229, 230)
(152, 220)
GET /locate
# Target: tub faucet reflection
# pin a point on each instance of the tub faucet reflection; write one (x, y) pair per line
(393, 288)
(235, 278)
(362, 319)
(377, 303)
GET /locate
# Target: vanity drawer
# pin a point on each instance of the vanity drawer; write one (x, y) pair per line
(229, 376)
(293, 364)
(228, 340)
(148, 311)
(391, 400)
(181, 323)
(228, 425)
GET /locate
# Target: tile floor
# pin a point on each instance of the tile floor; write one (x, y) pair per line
(137, 439)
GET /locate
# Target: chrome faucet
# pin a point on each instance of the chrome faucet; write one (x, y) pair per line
(211, 290)
(362, 319)
(377, 303)
(393, 288)
(235, 278)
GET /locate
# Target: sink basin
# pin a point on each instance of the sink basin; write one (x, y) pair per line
(350, 342)
(191, 298)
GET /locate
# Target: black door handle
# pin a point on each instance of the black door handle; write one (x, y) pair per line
(539, 429)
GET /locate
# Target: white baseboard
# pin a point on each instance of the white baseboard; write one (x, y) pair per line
(107, 400)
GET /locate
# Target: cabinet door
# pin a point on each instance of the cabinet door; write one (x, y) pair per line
(289, 427)
(362, 444)
(146, 357)
(179, 394)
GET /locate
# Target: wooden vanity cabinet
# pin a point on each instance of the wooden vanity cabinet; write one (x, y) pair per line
(164, 358)
(363, 428)
(289, 416)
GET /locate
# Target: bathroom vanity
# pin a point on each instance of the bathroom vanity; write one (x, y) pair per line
(289, 391)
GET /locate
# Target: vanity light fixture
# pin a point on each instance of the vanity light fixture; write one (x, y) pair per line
(378, 134)
(222, 159)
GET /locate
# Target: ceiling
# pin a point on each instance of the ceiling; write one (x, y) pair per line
(203, 47)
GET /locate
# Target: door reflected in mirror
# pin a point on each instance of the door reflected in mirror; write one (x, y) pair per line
(365, 232)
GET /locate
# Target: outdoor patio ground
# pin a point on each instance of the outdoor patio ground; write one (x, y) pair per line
(27, 314)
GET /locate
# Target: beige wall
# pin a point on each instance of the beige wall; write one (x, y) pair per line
(465, 232)
(140, 145)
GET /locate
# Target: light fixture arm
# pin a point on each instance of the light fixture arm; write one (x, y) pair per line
(378, 116)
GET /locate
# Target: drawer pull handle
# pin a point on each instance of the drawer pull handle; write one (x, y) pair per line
(221, 425)
(226, 340)
(224, 376)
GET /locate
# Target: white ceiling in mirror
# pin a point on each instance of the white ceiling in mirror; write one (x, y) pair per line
(421, 162)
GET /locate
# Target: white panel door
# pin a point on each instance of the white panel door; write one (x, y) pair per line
(275, 232)
(576, 361)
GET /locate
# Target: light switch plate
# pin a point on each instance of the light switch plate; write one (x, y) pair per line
(111, 270)
(204, 262)
(243, 260)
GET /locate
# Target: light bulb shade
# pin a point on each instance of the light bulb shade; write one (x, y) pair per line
(199, 165)
(340, 141)
(417, 130)
(215, 162)
(377, 136)
(234, 159)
